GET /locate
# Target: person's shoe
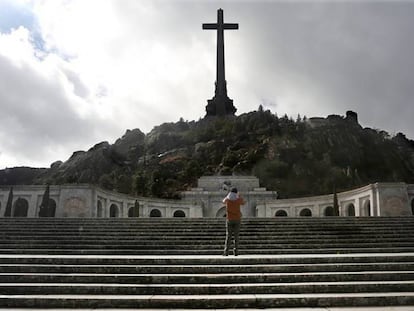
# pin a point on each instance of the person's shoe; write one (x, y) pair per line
(225, 253)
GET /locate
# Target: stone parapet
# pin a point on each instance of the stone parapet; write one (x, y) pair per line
(215, 183)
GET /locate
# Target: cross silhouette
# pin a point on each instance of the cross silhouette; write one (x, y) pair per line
(220, 104)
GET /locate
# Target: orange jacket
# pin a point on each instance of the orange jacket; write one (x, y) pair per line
(233, 208)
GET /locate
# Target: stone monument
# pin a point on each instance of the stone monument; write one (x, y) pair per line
(220, 104)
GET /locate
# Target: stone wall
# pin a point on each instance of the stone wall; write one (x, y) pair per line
(380, 199)
(393, 199)
(211, 191)
(225, 183)
(90, 201)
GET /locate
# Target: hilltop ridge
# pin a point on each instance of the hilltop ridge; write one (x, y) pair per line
(295, 157)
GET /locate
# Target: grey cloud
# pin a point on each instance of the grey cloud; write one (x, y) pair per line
(336, 55)
(37, 117)
(79, 88)
(356, 55)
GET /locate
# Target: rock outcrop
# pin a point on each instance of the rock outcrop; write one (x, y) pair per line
(295, 157)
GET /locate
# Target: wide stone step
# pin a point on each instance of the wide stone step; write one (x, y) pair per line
(201, 231)
(171, 244)
(175, 263)
(178, 269)
(204, 289)
(217, 251)
(209, 301)
(140, 244)
(193, 225)
(275, 225)
(206, 234)
(200, 228)
(206, 278)
(216, 236)
(74, 223)
(298, 259)
(215, 232)
(280, 238)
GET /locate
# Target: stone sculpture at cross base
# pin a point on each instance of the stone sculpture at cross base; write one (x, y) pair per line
(220, 104)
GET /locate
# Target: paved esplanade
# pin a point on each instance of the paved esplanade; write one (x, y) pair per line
(220, 104)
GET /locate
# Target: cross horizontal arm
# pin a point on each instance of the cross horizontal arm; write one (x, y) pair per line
(209, 26)
(230, 26)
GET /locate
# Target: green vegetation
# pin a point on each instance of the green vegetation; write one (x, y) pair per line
(294, 157)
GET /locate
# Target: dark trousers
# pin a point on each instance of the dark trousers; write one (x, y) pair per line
(232, 230)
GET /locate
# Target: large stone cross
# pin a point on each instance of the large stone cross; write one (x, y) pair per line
(220, 104)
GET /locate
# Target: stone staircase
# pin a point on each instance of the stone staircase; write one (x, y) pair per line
(176, 263)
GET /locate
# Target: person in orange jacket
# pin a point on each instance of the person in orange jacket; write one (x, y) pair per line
(233, 202)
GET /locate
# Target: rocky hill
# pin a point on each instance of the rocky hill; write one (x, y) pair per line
(295, 157)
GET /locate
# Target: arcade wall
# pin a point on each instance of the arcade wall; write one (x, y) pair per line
(379, 199)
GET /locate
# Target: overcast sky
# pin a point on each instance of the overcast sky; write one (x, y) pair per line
(75, 73)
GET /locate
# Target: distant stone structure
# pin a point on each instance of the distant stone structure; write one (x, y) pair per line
(84, 201)
(379, 199)
(316, 122)
(352, 116)
(220, 104)
(212, 189)
(88, 201)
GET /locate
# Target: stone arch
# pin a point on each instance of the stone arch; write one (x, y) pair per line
(281, 213)
(21, 207)
(350, 210)
(99, 209)
(305, 212)
(412, 206)
(114, 211)
(52, 208)
(367, 208)
(179, 213)
(221, 212)
(329, 211)
(155, 213)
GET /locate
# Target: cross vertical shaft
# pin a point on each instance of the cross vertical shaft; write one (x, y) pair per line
(220, 104)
